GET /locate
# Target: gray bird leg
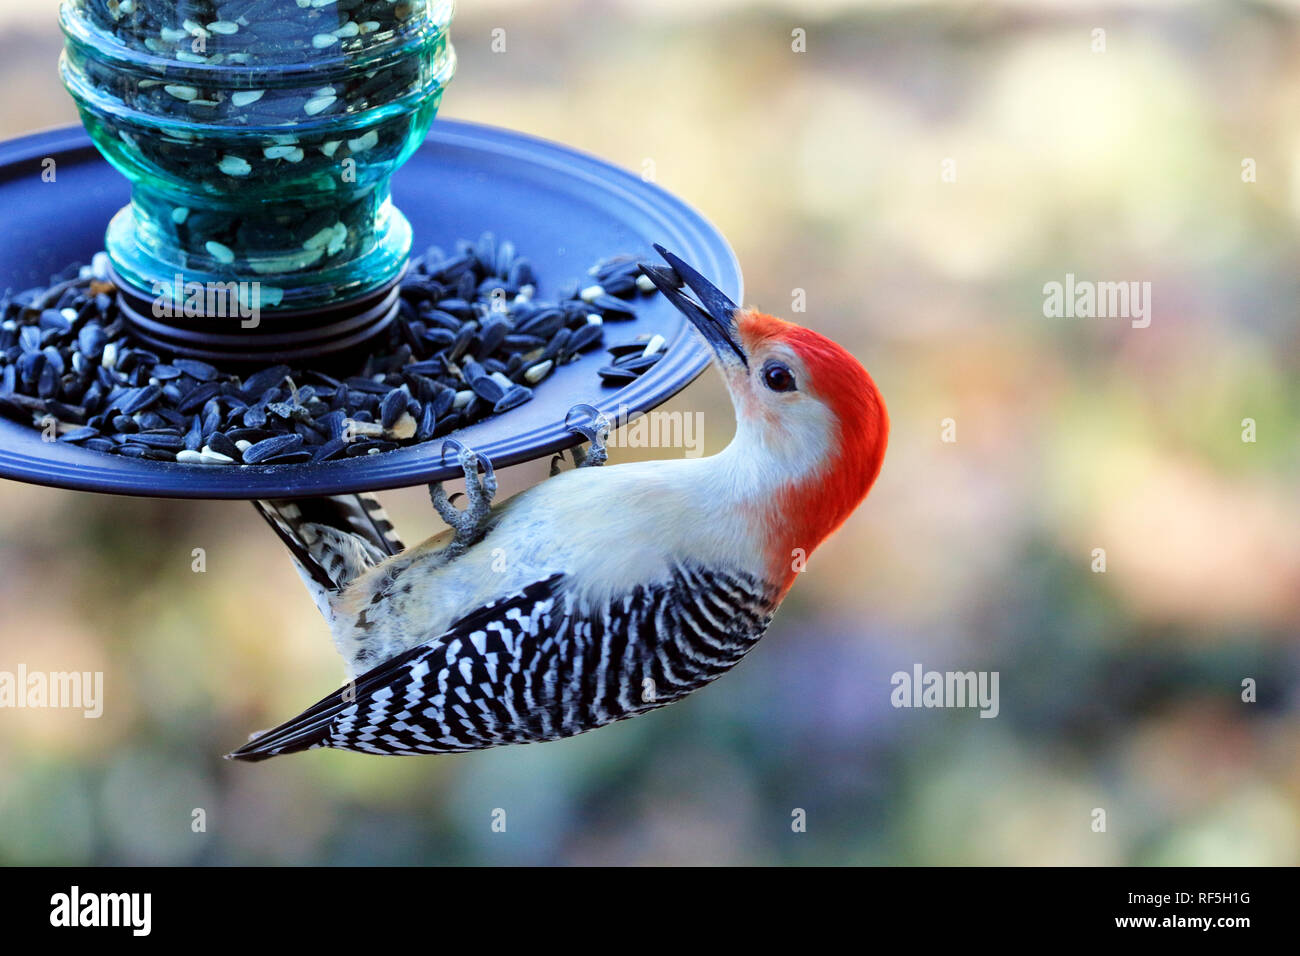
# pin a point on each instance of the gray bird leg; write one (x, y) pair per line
(595, 430)
(470, 524)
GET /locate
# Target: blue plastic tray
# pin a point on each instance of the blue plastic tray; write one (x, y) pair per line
(563, 209)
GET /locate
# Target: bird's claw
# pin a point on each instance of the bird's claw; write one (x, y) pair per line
(596, 430)
(469, 524)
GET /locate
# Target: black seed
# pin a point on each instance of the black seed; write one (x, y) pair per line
(272, 447)
(515, 396)
(612, 375)
(259, 382)
(253, 435)
(333, 448)
(638, 363)
(165, 373)
(139, 399)
(53, 319)
(198, 398)
(166, 440)
(79, 434)
(487, 387)
(222, 445)
(585, 338)
(390, 410)
(612, 307)
(48, 384)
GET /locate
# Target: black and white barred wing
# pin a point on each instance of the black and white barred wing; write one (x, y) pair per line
(463, 691)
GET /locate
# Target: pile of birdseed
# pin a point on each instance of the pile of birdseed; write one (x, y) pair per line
(470, 340)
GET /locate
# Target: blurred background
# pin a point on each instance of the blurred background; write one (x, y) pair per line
(920, 171)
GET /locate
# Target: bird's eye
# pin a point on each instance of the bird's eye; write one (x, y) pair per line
(778, 377)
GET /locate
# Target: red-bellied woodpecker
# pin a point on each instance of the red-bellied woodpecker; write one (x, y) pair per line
(601, 593)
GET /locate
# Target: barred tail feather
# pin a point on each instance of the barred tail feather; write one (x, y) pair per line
(332, 540)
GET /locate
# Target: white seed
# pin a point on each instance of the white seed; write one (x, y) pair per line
(172, 35)
(538, 372)
(188, 456)
(109, 358)
(219, 252)
(70, 314)
(644, 284)
(243, 444)
(338, 240)
(246, 97)
(363, 143)
(225, 27)
(186, 56)
(404, 427)
(318, 103)
(653, 346)
(300, 260)
(99, 265)
(234, 165)
(211, 457)
(322, 40)
(595, 318)
(293, 154)
(180, 214)
(320, 240)
(370, 26)
(348, 29)
(329, 148)
(463, 398)
(186, 93)
(194, 28)
(325, 91)
(589, 294)
(501, 380)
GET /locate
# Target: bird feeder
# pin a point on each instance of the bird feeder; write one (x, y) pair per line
(283, 155)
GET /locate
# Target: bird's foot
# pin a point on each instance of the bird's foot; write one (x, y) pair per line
(471, 523)
(595, 428)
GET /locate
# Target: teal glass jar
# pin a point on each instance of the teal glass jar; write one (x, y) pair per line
(259, 137)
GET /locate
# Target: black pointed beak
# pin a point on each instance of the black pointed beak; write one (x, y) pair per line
(714, 314)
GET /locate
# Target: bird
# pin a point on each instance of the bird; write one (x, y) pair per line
(604, 591)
